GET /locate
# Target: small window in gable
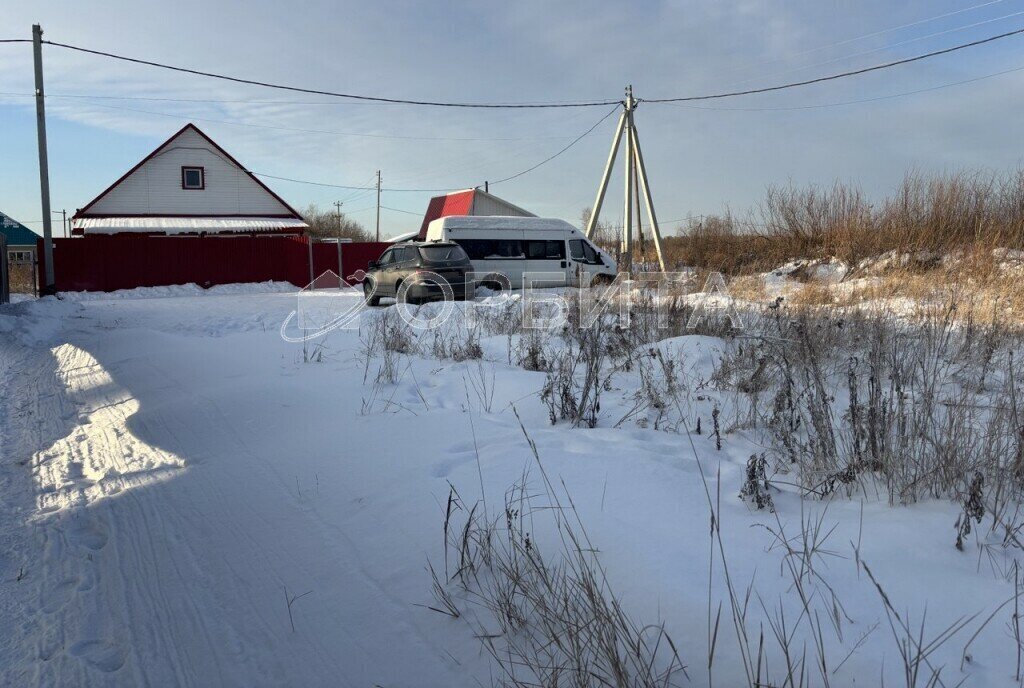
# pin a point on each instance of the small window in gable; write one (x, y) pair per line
(193, 178)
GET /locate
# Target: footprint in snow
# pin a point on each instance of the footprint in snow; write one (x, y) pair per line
(461, 447)
(56, 597)
(103, 655)
(88, 534)
(444, 467)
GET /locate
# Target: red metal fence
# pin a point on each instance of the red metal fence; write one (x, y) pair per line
(125, 262)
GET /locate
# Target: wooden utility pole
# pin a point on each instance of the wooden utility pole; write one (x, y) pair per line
(378, 205)
(44, 170)
(635, 175)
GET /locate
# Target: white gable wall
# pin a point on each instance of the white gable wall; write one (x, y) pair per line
(155, 188)
(486, 204)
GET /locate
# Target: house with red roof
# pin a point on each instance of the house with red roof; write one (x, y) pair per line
(466, 202)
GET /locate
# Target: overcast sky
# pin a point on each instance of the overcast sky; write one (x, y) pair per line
(700, 158)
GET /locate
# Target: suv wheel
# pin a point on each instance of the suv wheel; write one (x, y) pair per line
(407, 297)
(493, 286)
(371, 298)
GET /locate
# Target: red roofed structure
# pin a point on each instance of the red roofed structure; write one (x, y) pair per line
(468, 202)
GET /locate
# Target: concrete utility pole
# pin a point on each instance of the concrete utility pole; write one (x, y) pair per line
(378, 205)
(341, 227)
(627, 210)
(44, 170)
(63, 221)
(338, 204)
(636, 175)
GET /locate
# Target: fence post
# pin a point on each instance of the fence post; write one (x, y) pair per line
(309, 247)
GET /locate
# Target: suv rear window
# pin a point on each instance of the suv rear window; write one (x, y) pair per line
(439, 253)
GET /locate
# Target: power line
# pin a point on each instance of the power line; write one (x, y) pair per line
(578, 104)
(296, 129)
(841, 75)
(889, 46)
(514, 176)
(849, 102)
(362, 210)
(901, 26)
(343, 186)
(333, 94)
(879, 32)
(399, 210)
(245, 101)
(573, 143)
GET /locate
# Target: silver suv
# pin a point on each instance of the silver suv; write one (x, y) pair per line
(410, 264)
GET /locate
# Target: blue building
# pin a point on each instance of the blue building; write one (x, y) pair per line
(21, 241)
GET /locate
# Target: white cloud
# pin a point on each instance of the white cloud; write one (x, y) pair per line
(530, 50)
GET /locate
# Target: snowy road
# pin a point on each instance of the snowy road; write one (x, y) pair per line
(172, 473)
(169, 520)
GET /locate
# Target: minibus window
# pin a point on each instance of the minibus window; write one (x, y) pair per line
(476, 249)
(545, 250)
(506, 248)
(576, 249)
(494, 249)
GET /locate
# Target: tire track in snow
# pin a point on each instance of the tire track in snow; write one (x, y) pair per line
(92, 524)
(154, 574)
(19, 369)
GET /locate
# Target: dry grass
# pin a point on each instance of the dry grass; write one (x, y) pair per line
(545, 611)
(981, 294)
(972, 211)
(21, 279)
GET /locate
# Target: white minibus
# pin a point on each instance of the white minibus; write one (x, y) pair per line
(512, 246)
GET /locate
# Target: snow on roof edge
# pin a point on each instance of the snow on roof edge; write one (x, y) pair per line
(184, 225)
(504, 222)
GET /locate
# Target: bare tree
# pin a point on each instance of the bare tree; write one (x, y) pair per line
(330, 224)
(604, 232)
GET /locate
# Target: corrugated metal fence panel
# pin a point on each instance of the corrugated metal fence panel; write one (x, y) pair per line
(325, 257)
(355, 257)
(126, 262)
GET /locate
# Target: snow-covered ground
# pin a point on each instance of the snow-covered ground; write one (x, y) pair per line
(173, 475)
